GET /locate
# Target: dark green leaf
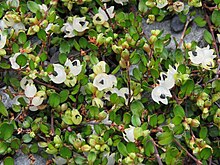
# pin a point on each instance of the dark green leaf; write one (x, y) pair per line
(64, 94)
(137, 107)
(200, 21)
(6, 131)
(8, 161)
(21, 60)
(64, 47)
(179, 111)
(26, 138)
(216, 17)
(42, 35)
(3, 110)
(3, 147)
(122, 149)
(205, 153)
(22, 38)
(187, 87)
(54, 99)
(135, 120)
(91, 157)
(203, 132)
(165, 138)
(208, 37)
(149, 148)
(33, 6)
(65, 152)
(153, 120)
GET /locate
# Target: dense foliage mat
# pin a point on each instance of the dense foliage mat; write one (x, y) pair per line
(82, 84)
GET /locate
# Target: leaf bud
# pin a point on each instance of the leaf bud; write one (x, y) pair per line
(85, 148)
(195, 123)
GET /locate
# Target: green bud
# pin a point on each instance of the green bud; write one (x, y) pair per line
(64, 107)
(205, 115)
(200, 102)
(128, 37)
(100, 39)
(188, 120)
(92, 142)
(208, 103)
(150, 4)
(128, 160)
(85, 148)
(204, 96)
(104, 147)
(125, 45)
(97, 147)
(2, 52)
(152, 39)
(57, 140)
(84, 10)
(122, 63)
(205, 110)
(44, 24)
(195, 123)
(77, 144)
(155, 32)
(108, 40)
(186, 126)
(102, 115)
(147, 48)
(117, 49)
(132, 155)
(32, 134)
(125, 54)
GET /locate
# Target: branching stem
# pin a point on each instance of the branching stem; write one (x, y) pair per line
(156, 152)
(198, 162)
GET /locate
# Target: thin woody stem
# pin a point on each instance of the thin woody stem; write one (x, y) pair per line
(156, 153)
(129, 84)
(198, 162)
(214, 40)
(184, 31)
(47, 85)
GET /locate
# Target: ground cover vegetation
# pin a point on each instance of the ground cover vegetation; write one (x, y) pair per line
(82, 84)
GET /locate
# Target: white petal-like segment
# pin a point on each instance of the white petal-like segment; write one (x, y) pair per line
(36, 101)
(100, 67)
(60, 76)
(80, 24)
(3, 38)
(24, 81)
(167, 80)
(203, 56)
(30, 90)
(13, 62)
(160, 94)
(103, 81)
(75, 66)
(129, 134)
(33, 108)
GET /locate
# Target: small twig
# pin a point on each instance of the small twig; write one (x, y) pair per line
(210, 160)
(156, 153)
(18, 115)
(214, 40)
(198, 162)
(184, 31)
(129, 84)
(47, 85)
(52, 124)
(210, 8)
